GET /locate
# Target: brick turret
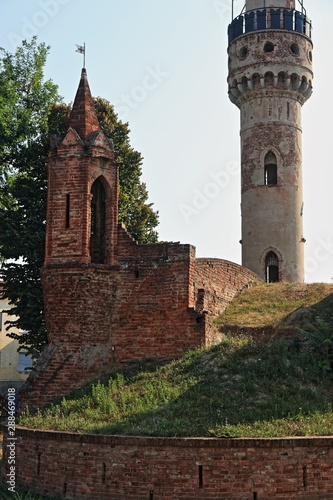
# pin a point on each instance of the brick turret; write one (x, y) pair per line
(83, 189)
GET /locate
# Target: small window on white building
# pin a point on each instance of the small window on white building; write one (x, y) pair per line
(24, 362)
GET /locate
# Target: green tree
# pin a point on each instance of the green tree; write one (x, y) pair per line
(25, 102)
(30, 112)
(138, 216)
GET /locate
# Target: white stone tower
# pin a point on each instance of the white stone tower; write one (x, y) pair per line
(270, 78)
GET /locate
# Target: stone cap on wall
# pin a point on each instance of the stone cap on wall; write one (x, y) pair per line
(188, 442)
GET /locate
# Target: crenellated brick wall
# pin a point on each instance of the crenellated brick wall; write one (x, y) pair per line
(87, 467)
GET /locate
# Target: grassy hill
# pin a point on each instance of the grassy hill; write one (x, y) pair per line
(249, 385)
(279, 307)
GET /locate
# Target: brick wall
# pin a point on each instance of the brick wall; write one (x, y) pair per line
(156, 303)
(217, 282)
(132, 468)
(99, 316)
(155, 317)
(222, 281)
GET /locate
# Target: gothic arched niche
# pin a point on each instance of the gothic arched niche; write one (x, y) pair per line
(98, 223)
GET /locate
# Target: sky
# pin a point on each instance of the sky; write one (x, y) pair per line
(163, 65)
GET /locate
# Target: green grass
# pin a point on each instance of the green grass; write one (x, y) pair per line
(22, 495)
(271, 305)
(243, 387)
(238, 388)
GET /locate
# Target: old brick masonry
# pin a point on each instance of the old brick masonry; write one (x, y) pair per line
(107, 299)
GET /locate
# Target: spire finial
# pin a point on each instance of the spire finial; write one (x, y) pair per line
(81, 49)
(83, 117)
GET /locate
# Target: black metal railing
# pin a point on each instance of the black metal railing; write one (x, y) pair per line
(269, 19)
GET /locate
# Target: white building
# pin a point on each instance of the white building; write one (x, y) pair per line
(13, 364)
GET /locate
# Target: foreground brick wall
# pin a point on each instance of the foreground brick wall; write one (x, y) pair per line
(131, 468)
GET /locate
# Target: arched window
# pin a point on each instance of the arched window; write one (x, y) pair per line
(270, 169)
(98, 226)
(272, 268)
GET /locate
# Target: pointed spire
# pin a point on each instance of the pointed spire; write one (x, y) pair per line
(83, 117)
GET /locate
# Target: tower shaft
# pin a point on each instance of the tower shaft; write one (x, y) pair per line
(270, 78)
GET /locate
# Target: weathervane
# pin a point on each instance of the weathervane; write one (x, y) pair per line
(81, 49)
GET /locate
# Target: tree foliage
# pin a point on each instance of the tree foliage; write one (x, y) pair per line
(31, 110)
(138, 216)
(25, 102)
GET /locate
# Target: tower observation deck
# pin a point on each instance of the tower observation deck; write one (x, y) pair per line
(259, 15)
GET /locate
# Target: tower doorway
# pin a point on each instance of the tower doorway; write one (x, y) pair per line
(272, 268)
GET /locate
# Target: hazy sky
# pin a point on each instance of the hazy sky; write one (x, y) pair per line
(163, 64)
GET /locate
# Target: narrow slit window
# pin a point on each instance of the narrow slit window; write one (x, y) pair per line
(38, 464)
(272, 268)
(200, 476)
(270, 169)
(305, 476)
(68, 208)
